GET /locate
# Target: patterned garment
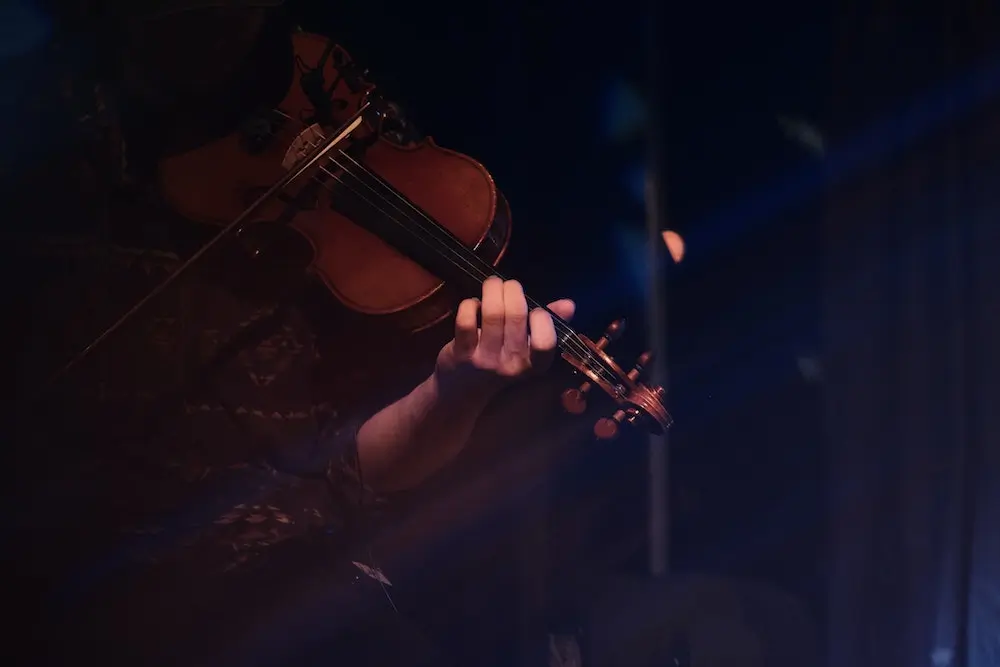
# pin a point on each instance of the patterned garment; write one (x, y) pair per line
(212, 422)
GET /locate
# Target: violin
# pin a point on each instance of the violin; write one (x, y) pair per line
(399, 227)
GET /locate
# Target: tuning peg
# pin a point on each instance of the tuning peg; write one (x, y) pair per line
(641, 363)
(574, 401)
(607, 428)
(613, 333)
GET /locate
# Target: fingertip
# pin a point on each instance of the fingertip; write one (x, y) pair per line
(468, 310)
(513, 296)
(543, 332)
(564, 308)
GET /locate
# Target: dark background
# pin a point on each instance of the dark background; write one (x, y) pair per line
(826, 495)
(525, 88)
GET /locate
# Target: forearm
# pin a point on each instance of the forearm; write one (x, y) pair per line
(409, 440)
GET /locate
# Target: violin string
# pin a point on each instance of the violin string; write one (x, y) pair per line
(434, 226)
(572, 341)
(444, 236)
(569, 338)
(468, 269)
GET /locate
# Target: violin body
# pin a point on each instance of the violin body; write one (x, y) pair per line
(399, 227)
(217, 182)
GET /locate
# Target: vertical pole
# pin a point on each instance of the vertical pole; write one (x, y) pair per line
(656, 307)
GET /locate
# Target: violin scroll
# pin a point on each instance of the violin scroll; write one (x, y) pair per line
(637, 402)
(575, 400)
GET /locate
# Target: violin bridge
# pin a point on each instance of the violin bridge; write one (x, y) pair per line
(309, 139)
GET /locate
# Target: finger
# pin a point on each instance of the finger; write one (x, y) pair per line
(543, 338)
(564, 308)
(467, 328)
(515, 322)
(492, 310)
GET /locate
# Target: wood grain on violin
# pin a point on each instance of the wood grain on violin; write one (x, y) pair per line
(337, 208)
(399, 227)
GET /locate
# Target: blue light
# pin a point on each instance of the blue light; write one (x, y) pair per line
(25, 28)
(624, 112)
(634, 178)
(630, 248)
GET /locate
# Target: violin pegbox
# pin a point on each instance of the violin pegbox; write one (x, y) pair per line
(637, 402)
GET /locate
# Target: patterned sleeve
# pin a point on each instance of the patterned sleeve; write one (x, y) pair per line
(345, 477)
(361, 504)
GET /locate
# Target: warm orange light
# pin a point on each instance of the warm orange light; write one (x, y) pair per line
(675, 244)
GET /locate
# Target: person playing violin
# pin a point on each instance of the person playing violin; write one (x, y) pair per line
(406, 441)
(272, 458)
(228, 431)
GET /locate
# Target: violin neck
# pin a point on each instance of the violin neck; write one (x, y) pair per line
(462, 264)
(425, 241)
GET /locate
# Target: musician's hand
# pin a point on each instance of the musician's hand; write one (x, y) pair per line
(511, 343)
